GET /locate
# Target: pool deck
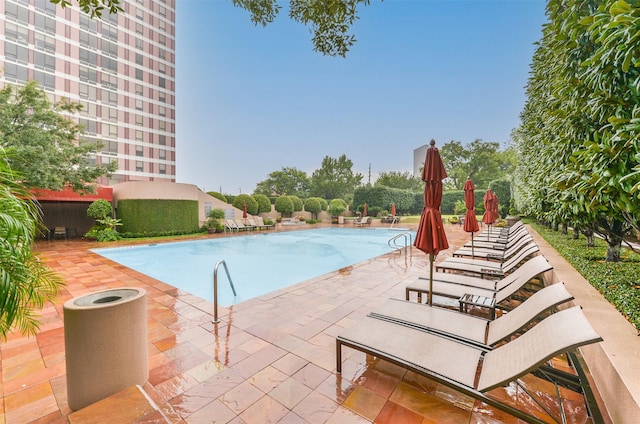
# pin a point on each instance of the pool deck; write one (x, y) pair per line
(270, 359)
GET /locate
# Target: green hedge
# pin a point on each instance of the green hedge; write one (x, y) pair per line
(157, 216)
(407, 202)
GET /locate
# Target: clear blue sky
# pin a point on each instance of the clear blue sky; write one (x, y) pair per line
(252, 100)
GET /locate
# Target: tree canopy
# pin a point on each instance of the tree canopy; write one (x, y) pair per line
(335, 178)
(401, 180)
(289, 181)
(44, 145)
(93, 8)
(482, 161)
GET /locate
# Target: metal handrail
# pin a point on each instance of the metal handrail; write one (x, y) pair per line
(215, 288)
(407, 236)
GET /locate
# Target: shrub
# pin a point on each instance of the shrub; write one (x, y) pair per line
(313, 205)
(284, 205)
(297, 203)
(264, 204)
(337, 207)
(459, 208)
(100, 209)
(252, 205)
(218, 196)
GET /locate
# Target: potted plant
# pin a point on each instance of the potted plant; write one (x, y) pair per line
(213, 224)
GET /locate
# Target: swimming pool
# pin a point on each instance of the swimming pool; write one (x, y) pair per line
(258, 263)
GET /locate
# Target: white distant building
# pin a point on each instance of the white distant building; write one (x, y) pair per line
(419, 155)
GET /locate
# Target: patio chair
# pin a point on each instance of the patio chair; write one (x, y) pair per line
(261, 224)
(469, 328)
(474, 371)
(231, 225)
(366, 220)
(60, 232)
(241, 226)
(493, 242)
(485, 267)
(499, 253)
(472, 291)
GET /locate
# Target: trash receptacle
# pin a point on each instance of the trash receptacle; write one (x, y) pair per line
(105, 337)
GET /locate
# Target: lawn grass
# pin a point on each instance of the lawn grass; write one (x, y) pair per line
(619, 282)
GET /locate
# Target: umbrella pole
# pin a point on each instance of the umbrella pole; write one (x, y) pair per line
(473, 256)
(430, 279)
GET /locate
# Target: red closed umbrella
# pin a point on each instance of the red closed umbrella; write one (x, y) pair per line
(488, 217)
(496, 213)
(393, 209)
(364, 210)
(470, 222)
(244, 209)
(430, 237)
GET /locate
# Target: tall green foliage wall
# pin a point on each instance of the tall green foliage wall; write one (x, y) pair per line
(407, 201)
(158, 216)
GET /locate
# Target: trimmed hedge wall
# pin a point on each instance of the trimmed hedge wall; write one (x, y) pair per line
(154, 216)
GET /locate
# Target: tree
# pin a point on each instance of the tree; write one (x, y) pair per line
(480, 160)
(313, 205)
(401, 180)
(100, 209)
(578, 138)
(334, 178)
(44, 145)
(264, 204)
(297, 203)
(284, 205)
(330, 20)
(93, 8)
(337, 207)
(289, 181)
(26, 284)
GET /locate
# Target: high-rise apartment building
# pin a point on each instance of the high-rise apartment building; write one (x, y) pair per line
(121, 68)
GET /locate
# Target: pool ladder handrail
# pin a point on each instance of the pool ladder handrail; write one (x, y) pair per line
(407, 236)
(215, 288)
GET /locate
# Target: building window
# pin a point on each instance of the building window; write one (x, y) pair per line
(162, 168)
(88, 74)
(139, 59)
(87, 92)
(139, 151)
(162, 111)
(45, 23)
(88, 125)
(140, 13)
(88, 108)
(45, 79)
(163, 40)
(109, 81)
(17, 12)
(139, 166)
(89, 40)
(110, 97)
(15, 72)
(139, 28)
(162, 53)
(139, 74)
(162, 125)
(44, 61)
(87, 23)
(109, 48)
(16, 33)
(139, 104)
(162, 154)
(162, 140)
(139, 44)
(139, 120)
(16, 53)
(88, 57)
(45, 42)
(139, 89)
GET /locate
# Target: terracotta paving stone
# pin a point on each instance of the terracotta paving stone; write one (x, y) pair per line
(270, 359)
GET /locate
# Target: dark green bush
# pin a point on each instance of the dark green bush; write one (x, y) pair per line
(284, 205)
(252, 205)
(297, 203)
(217, 195)
(264, 204)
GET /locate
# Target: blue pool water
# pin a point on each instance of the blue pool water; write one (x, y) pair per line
(258, 263)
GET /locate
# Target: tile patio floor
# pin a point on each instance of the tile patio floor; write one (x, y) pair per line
(270, 360)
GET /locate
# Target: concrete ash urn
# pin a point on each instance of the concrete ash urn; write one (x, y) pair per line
(105, 337)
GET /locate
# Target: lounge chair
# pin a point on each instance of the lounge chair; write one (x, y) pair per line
(498, 254)
(484, 267)
(241, 226)
(230, 224)
(261, 224)
(502, 240)
(472, 291)
(472, 370)
(469, 328)
(366, 220)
